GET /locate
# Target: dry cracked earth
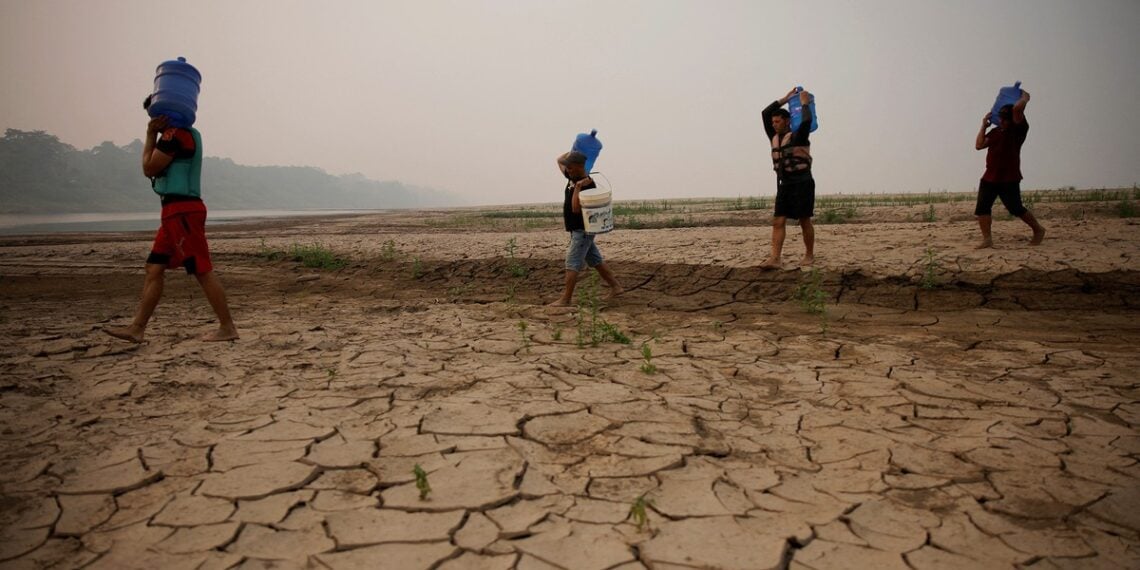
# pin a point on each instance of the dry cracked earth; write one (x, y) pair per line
(989, 422)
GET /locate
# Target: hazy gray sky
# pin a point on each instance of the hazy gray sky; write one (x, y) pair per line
(478, 97)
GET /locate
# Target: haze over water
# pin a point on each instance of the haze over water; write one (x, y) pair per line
(477, 98)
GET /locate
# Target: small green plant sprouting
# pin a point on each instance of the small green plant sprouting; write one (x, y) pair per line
(388, 251)
(929, 215)
(557, 333)
(593, 330)
(1126, 208)
(511, 291)
(316, 255)
(637, 512)
(270, 254)
(718, 326)
(525, 338)
(930, 270)
(417, 268)
(332, 373)
(813, 298)
(421, 482)
(647, 354)
(515, 268)
(810, 294)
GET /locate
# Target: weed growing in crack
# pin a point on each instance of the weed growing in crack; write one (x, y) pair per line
(718, 326)
(511, 289)
(930, 270)
(929, 215)
(388, 251)
(264, 251)
(810, 294)
(647, 354)
(557, 333)
(316, 255)
(525, 337)
(1126, 208)
(637, 512)
(813, 298)
(593, 330)
(417, 268)
(421, 481)
(515, 268)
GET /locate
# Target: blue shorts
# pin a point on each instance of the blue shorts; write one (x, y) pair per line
(582, 252)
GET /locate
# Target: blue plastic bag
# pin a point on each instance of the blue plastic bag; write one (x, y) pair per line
(1006, 96)
(589, 145)
(794, 108)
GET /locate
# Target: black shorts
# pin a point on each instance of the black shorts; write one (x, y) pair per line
(1009, 192)
(795, 197)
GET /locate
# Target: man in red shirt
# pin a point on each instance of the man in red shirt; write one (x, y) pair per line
(1002, 178)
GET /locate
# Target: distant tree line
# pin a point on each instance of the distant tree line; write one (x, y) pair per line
(41, 174)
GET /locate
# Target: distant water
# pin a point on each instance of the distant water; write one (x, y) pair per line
(11, 224)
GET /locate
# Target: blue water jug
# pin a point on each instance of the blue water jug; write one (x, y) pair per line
(176, 87)
(794, 107)
(589, 145)
(1006, 96)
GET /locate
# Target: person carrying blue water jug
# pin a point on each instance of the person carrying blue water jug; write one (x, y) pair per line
(582, 253)
(172, 159)
(795, 187)
(1002, 178)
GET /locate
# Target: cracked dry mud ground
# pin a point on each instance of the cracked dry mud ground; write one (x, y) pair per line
(988, 423)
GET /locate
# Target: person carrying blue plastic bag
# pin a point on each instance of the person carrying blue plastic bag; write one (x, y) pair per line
(582, 252)
(1002, 178)
(795, 187)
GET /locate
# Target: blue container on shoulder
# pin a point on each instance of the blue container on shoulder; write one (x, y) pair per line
(589, 145)
(176, 87)
(794, 107)
(1006, 96)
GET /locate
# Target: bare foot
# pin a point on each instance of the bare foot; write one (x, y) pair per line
(807, 261)
(1038, 236)
(614, 292)
(125, 333)
(220, 335)
(559, 303)
(770, 264)
(986, 244)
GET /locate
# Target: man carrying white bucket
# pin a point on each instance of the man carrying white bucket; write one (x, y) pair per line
(582, 253)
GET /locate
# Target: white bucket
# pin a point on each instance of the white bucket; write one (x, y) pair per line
(597, 210)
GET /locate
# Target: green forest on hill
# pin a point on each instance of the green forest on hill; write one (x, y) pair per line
(41, 174)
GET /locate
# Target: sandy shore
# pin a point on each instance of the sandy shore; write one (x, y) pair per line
(987, 419)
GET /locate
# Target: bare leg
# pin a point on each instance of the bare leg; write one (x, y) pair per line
(608, 276)
(567, 290)
(1038, 229)
(212, 287)
(984, 223)
(151, 293)
(809, 242)
(779, 231)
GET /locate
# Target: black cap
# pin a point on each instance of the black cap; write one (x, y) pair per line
(146, 102)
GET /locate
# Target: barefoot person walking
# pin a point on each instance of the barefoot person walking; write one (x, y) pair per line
(1002, 178)
(172, 159)
(582, 253)
(795, 187)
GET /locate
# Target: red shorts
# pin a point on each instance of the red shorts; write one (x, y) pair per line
(181, 239)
